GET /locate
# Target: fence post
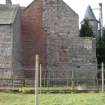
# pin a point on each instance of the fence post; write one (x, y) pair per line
(36, 78)
(102, 77)
(67, 78)
(40, 77)
(12, 79)
(72, 80)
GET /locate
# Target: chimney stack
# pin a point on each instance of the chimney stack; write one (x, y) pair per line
(8, 2)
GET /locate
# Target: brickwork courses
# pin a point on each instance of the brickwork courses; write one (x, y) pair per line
(65, 50)
(49, 28)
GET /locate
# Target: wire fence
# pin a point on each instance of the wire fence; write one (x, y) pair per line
(24, 77)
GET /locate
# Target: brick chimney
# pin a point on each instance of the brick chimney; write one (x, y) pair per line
(8, 2)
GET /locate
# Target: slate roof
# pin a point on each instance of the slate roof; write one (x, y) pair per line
(8, 13)
(89, 14)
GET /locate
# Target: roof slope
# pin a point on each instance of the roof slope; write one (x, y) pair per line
(8, 13)
(69, 8)
(89, 14)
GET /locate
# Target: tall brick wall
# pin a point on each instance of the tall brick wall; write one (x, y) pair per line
(17, 46)
(5, 46)
(5, 51)
(33, 36)
(10, 55)
(66, 52)
(61, 49)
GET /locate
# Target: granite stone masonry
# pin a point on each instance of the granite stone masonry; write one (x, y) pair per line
(49, 28)
(10, 42)
(66, 51)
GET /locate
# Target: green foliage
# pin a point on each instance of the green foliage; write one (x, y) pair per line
(86, 29)
(73, 99)
(101, 48)
(16, 99)
(53, 99)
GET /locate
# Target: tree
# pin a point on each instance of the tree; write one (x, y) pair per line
(86, 29)
(100, 51)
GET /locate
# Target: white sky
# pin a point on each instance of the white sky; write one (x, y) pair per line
(79, 6)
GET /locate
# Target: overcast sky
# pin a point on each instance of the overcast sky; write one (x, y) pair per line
(78, 5)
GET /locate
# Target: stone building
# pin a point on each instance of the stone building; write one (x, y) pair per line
(33, 37)
(10, 41)
(49, 28)
(66, 52)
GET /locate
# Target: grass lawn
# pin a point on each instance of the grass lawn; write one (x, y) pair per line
(16, 99)
(53, 99)
(73, 99)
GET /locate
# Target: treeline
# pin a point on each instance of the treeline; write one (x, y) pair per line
(86, 31)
